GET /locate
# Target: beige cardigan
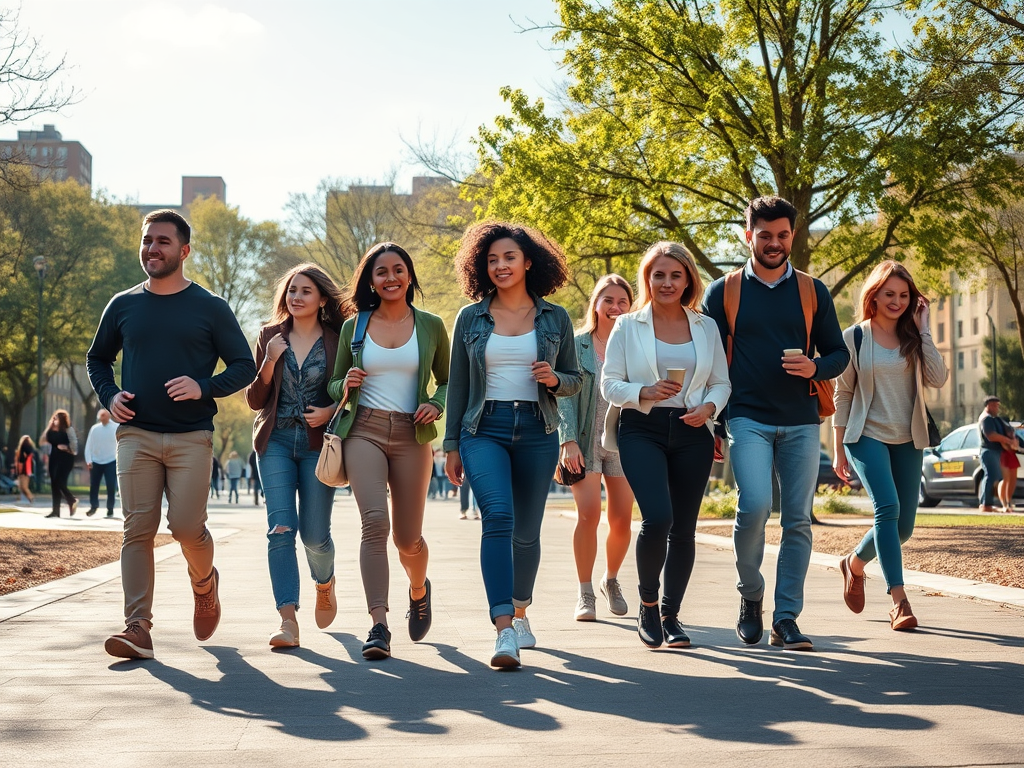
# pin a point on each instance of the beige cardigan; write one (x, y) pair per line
(856, 386)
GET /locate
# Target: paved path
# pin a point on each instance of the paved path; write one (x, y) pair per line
(949, 694)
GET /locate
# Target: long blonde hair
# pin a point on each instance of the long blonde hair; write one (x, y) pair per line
(590, 323)
(694, 291)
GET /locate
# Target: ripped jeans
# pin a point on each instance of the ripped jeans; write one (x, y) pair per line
(287, 467)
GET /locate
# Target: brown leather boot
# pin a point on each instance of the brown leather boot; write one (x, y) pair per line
(901, 617)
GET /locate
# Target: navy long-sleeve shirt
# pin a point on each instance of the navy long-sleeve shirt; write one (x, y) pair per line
(771, 320)
(163, 337)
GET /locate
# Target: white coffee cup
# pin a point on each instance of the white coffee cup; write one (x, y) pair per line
(792, 352)
(678, 375)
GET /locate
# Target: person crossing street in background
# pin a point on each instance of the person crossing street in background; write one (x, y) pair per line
(101, 461)
(170, 333)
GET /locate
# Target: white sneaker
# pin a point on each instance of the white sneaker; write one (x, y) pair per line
(586, 607)
(613, 593)
(287, 636)
(523, 633)
(506, 650)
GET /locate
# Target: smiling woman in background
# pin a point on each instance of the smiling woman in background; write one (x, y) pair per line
(582, 421)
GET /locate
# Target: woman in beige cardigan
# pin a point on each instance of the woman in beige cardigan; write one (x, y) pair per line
(881, 424)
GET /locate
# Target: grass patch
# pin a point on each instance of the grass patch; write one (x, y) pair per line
(719, 505)
(968, 521)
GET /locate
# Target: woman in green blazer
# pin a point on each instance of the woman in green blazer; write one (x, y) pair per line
(579, 432)
(388, 429)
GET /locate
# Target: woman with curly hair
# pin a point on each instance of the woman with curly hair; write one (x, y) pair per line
(388, 429)
(295, 351)
(513, 354)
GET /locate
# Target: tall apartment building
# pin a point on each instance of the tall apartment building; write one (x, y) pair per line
(962, 325)
(191, 188)
(48, 156)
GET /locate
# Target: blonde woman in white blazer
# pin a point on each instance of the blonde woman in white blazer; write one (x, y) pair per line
(666, 375)
(881, 425)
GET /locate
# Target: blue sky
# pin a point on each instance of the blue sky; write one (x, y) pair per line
(274, 97)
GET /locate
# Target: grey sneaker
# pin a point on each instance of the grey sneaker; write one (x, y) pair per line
(613, 593)
(524, 636)
(506, 650)
(586, 607)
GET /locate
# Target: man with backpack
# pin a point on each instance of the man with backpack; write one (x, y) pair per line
(784, 346)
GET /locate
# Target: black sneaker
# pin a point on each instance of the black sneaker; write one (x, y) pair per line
(378, 643)
(419, 615)
(648, 626)
(91, 512)
(786, 634)
(675, 635)
(750, 626)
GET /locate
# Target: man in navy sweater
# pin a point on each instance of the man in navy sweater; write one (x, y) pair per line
(772, 416)
(172, 333)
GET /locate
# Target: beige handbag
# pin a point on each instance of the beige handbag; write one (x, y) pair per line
(610, 433)
(330, 467)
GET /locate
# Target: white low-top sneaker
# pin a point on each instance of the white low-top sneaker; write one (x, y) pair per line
(287, 636)
(523, 633)
(506, 650)
(586, 607)
(613, 593)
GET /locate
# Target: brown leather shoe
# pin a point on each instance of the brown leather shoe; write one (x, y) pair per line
(207, 613)
(901, 617)
(134, 643)
(326, 604)
(853, 586)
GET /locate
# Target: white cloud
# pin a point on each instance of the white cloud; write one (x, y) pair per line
(167, 25)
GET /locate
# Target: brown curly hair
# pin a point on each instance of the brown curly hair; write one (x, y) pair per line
(548, 271)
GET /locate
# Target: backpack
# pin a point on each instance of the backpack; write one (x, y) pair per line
(823, 390)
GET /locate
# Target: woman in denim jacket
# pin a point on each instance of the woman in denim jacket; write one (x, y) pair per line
(512, 354)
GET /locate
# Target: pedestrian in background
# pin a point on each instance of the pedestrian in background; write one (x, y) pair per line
(235, 470)
(665, 368)
(63, 442)
(513, 354)
(881, 425)
(388, 429)
(254, 478)
(216, 477)
(25, 461)
(296, 351)
(101, 461)
(993, 443)
(582, 422)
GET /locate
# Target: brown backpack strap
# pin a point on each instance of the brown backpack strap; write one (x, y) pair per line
(731, 302)
(809, 304)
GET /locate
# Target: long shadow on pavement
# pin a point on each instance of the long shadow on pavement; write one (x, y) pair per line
(761, 691)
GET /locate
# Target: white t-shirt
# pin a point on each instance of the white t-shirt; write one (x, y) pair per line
(675, 356)
(509, 361)
(392, 376)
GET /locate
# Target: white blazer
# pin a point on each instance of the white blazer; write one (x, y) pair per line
(630, 363)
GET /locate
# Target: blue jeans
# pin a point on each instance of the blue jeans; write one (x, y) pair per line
(992, 473)
(108, 472)
(233, 489)
(288, 466)
(510, 462)
(792, 453)
(892, 476)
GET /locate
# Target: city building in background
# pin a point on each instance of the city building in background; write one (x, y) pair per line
(48, 156)
(192, 187)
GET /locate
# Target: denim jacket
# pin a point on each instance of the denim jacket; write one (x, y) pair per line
(467, 385)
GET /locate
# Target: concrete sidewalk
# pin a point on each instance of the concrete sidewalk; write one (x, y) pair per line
(949, 694)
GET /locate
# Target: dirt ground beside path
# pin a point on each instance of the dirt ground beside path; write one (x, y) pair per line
(993, 555)
(32, 557)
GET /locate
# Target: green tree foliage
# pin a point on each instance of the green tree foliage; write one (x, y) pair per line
(236, 258)
(1009, 380)
(677, 112)
(89, 246)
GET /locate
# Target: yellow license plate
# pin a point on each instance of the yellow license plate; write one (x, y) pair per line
(949, 467)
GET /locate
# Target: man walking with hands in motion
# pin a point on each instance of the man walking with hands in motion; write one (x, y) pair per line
(772, 415)
(172, 333)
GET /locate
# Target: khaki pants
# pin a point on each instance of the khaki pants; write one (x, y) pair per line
(381, 452)
(150, 464)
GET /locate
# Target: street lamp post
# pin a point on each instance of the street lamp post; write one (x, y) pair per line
(39, 263)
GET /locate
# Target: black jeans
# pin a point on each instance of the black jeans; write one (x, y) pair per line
(667, 464)
(61, 464)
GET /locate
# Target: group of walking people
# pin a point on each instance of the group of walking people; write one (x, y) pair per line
(630, 401)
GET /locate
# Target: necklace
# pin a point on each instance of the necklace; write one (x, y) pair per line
(397, 322)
